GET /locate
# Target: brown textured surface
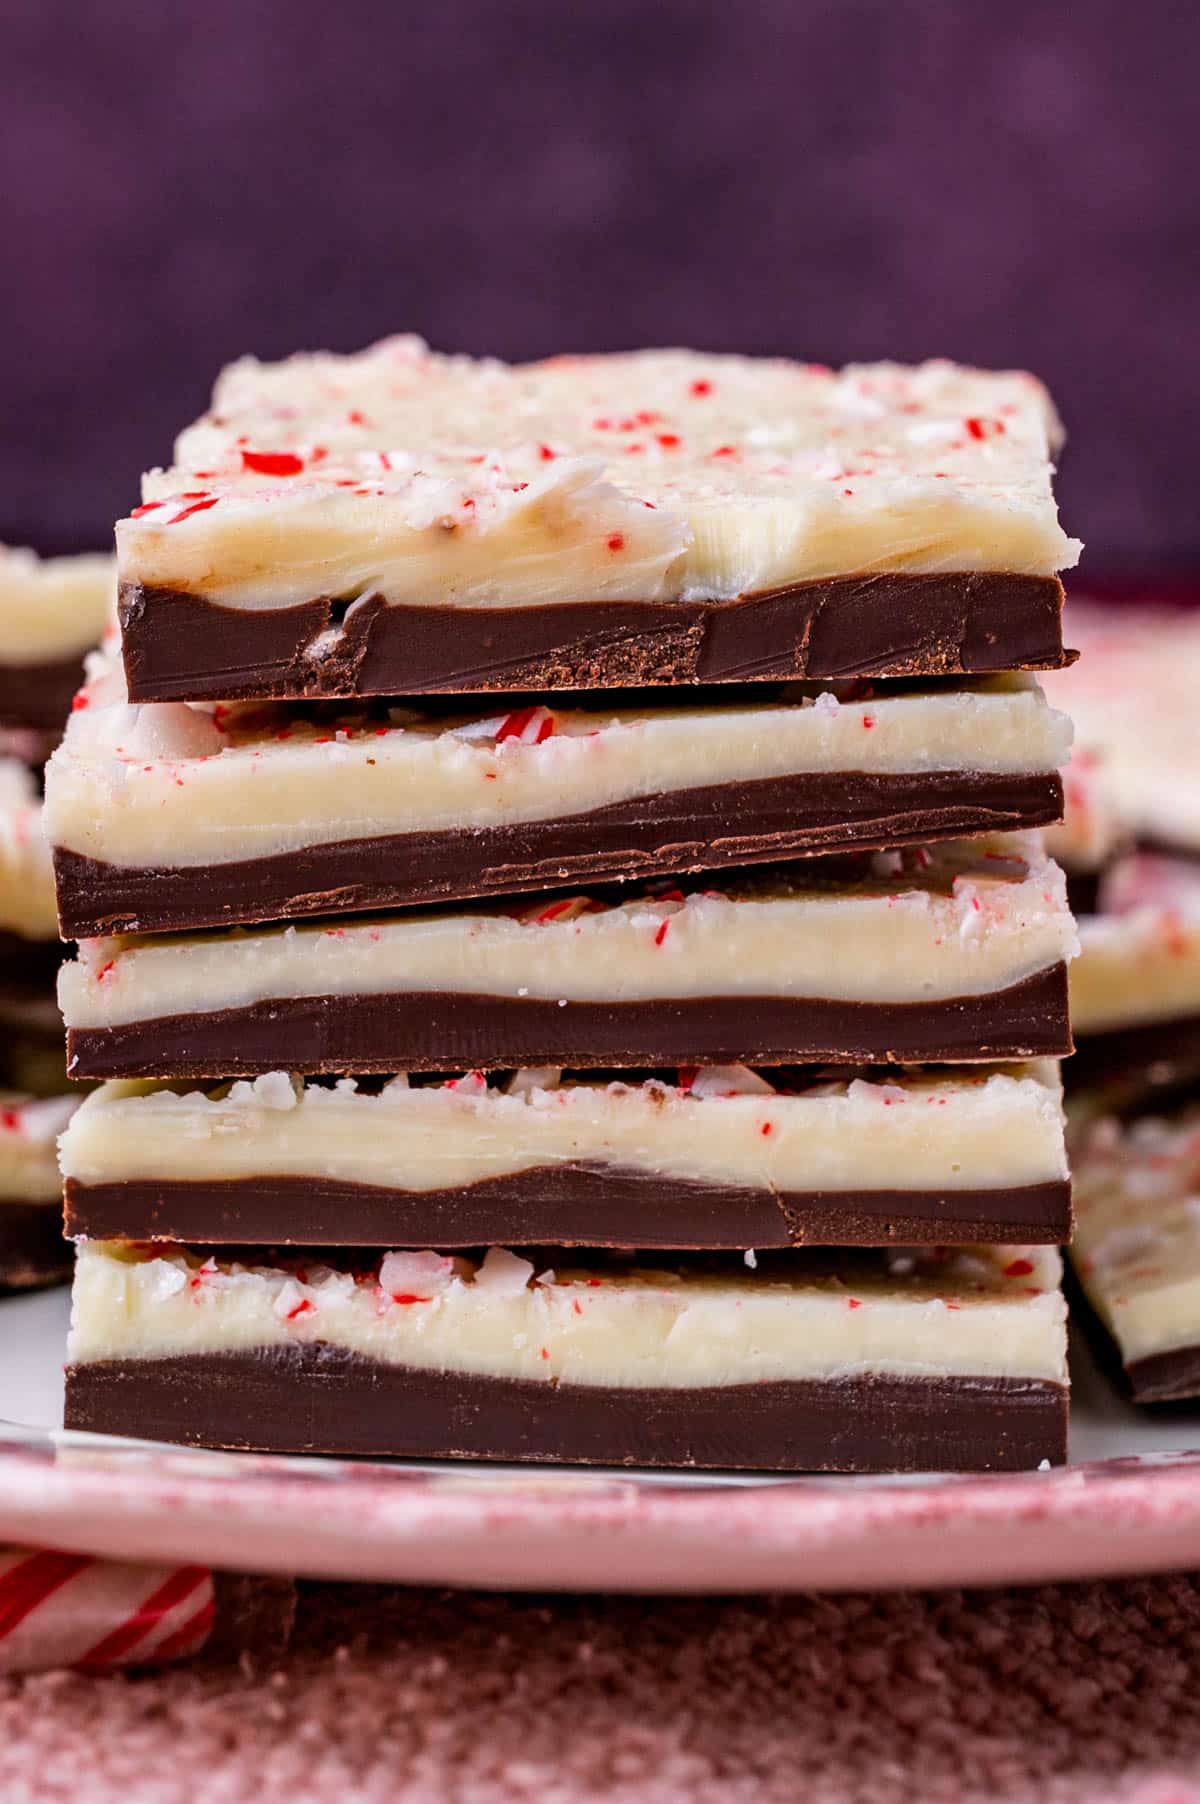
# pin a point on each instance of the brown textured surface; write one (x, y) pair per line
(1073, 1694)
(450, 1031)
(182, 646)
(707, 828)
(559, 1205)
(319, 1398)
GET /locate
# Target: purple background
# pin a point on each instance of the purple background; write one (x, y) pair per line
(1007, 183)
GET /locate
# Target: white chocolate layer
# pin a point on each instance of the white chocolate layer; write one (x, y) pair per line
(1137, 1230)
(649, 476)
(1141, 962)
(920, 935)
(993, 1311)
(51, 608)
(191, 786)
(1132, 696)
(29, 1131)
(27, 905)
(996, 1129)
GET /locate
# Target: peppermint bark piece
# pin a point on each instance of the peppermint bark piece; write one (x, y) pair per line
(1135, 988)
(1132, 696)
(33, 1251)
(403, 522)
(168, 816)
(952, 953)
(1137, 1245)
(720, 1157)
(30, 952)
(52, 612)
(847, 1361)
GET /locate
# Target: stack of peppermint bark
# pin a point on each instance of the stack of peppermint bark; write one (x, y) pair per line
(563, 921)
(52, 611)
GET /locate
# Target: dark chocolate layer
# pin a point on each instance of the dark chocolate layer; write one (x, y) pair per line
(39, 695)
(181, 646)
(1165, 1377)
(560, 1205)
(709, 828)
(1083, 892)
(1154, 1056)
(320, 1399)
(28, 968)
(32, 1249)
(438, 1030)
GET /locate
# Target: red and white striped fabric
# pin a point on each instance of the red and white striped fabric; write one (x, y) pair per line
(67, 1609)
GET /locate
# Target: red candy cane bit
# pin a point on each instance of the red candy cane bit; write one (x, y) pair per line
(616, 541)
(147, 507)
(555, 911)
(530, 725)
(724, 451)
(197, 507)
(1019, 1268)
(868, 721)
(303, 1307)
(668, 440)
(700, 387)
(664, 929)
(272, 463)
(984, 428)
(80, 700)
(10, 1119)
(514, 724)
(355, 418)
(854, 1302)
(766, 1128)
(547, 454)
(104, 970)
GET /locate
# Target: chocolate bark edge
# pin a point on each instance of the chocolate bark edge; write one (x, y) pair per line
(449, 1030)
(33, 1251)
(590, 1204)
(182, 646)
(322, 1399)
(798, 815)
(1169, 1377)
(1148, 1059)
(28, 968)
(39, 695)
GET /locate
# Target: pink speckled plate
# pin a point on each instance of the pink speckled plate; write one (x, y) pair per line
(1131, 1504)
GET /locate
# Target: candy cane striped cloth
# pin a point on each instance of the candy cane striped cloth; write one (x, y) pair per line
(67, 1609)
